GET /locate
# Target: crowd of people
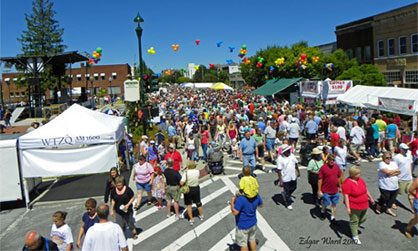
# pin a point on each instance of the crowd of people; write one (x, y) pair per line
(255, 130)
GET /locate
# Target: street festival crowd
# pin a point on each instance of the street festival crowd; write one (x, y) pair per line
(208, 125)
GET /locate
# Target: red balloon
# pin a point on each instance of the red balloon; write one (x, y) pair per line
(303, 57)
(197, 41)
(211, 66)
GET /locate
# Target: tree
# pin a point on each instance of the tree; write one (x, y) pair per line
(365, 74)
(43, 35)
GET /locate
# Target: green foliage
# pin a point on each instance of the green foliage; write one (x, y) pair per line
(365, 74)
(43, 35)
(183, 80)
(291, 67)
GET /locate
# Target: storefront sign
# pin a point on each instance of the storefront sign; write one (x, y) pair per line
(334, 88)
(132, 90)
(309, 89)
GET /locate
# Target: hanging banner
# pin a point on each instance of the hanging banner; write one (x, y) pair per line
(132, 90)
(336, 87)
(402, 106)
(310, 89)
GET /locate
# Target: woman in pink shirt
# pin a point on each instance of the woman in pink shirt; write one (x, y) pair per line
(356, 199)
(143, 179)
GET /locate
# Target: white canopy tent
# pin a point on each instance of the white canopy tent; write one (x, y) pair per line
(79, 141)
(197, 85)
(390, 99)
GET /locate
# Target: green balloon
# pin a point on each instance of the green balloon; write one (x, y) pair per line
(99, 50)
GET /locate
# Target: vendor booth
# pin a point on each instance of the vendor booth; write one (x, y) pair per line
(79, 141)
(326, 91)
(389, 99)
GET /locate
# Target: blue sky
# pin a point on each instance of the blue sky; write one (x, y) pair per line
(257, 23)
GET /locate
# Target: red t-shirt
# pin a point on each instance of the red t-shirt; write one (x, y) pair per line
(205, 137)
(251, 108)
(334, 139)
(176, 156)
(330, 178)
(414, 147)
(357, 193)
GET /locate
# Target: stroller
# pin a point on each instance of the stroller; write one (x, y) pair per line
(215, 159)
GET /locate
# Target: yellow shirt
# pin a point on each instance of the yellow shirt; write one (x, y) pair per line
(381, 125)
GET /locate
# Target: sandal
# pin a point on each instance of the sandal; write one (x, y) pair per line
(136, 208)
(149, 203)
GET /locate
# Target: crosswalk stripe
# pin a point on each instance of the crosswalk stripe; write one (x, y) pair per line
(167, 222)
(273, 240)
(152, 210)
(223, 244)
(199, 230)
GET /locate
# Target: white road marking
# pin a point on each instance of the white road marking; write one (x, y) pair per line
(199, 230)
(223, 244)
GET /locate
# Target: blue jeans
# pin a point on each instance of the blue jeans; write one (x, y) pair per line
(249, 160)
(204, 149)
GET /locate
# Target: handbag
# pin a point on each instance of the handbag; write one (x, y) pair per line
(185, 189)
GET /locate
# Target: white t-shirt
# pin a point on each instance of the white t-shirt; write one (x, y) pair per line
(294, 130)
(189, 128)
(341, 132)
(287, 165)
(104, 236)
(404, 163)
(192, 177)
(62, 236)
(341, 156)
(389, 183)
(357, 135)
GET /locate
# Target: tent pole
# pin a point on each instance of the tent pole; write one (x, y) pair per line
(25, 188)
(414, 122)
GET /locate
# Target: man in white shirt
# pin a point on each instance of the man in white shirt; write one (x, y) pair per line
(357, 137)
(287, 171)
(104, 235)
(404, 161)
(294, 130)
(341, 132)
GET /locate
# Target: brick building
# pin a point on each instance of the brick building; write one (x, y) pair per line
(388, 40)
(108, 78)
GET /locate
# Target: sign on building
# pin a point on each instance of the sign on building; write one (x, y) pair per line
(132, 90)
(233, 69)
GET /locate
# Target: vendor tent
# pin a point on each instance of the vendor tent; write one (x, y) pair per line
(197, 85)
(274, 86)
(221, 86)
(79, 141)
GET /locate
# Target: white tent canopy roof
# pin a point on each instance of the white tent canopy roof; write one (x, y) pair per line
(75, 127)
(391, 99)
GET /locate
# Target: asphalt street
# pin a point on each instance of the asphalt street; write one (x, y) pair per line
(279, 228)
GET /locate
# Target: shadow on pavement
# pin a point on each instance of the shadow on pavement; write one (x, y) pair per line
(341, 227)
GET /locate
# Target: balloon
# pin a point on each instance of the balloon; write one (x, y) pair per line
(246, 61)
(151, 51)
(229, 61)
(218, 44)
(197, 41)
(271, 69)
(303, 57)
(211, 66)
(303, 66)
(99, 50)
(91, 61)
(196, 67)
(259, 65)
(329, 66)
(279, 61)
(175, 47)
(243, 46)
(315, 59)
(260, 59)
(99, 55)
(231, 49)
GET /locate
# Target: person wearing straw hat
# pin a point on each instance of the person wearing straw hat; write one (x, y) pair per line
(287, 172)
(313, 168)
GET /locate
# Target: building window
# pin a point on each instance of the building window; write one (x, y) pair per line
(411, 77)
(380, 48)
(12, 95)
(349, 53)
(392, 76)
(414, 43)
(114, 90)
(357, 53)
(402, 45)
(22, 94)
(367, 53)
(391, 47)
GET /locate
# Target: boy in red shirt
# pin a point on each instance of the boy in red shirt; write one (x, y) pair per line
(334, 138)
(329, 185)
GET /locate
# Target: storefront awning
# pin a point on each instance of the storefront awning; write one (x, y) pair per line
(274, 86)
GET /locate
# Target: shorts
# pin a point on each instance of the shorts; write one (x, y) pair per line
(260, 151)
(193, 197)
(270, 144)
(293, 140)
(355, 148)
(243, 236)
(143, 186)
(404, 186)
(416, 205)
(330, 199)
(381, 137)
(173, 193)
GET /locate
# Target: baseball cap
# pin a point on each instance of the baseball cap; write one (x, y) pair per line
(404, 146)
(249, 186)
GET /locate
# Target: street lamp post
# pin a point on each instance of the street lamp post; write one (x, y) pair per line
(111, 91)
(138, 19)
